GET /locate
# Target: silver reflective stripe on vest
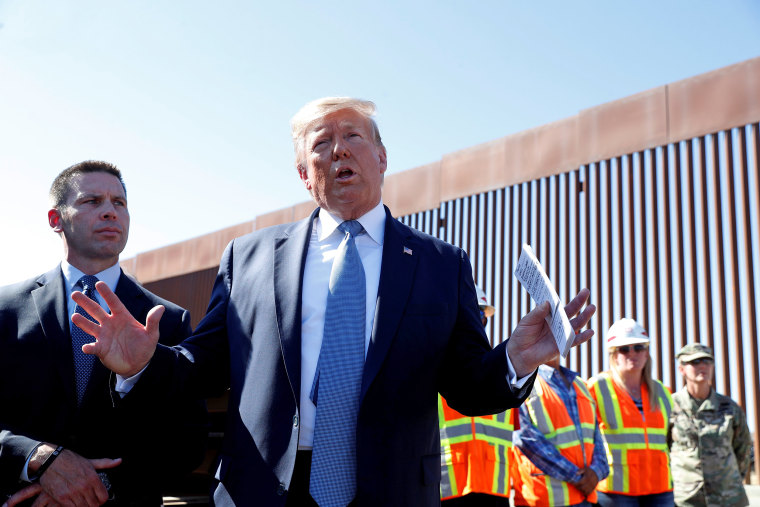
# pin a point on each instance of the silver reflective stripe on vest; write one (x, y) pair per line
(500, 473)
(565, 438)
(603, 386)
(539, 416)
(451, 431)
(493, 431)
(617, 470)
(557, 490)
(446, 478)
(622, 439)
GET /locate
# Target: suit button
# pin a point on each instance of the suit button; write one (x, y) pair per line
(281, 489)
(295, 421)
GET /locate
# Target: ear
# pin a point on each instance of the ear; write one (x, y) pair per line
(304, 175)
(55, 220)
(383, 158)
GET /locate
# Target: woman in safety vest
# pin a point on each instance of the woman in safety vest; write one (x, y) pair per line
(633, 411)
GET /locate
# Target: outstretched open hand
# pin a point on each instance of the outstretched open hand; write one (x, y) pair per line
(532, 343)
(122, 344)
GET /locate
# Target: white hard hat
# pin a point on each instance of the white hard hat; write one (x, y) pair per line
(626, 332)
(483, 302)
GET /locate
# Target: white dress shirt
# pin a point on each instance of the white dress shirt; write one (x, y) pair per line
(323, 246)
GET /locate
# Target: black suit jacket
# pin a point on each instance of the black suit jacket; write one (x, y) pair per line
(427, 338)
(38, 398)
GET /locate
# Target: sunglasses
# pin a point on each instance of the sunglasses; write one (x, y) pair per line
(636, 348)
(701, 360)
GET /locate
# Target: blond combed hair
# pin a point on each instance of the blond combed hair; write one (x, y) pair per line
(318, 109)
(646, 377)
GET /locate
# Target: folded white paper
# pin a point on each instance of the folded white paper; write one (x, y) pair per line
(532, 276)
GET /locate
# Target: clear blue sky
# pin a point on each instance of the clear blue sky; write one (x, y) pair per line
(192, 99)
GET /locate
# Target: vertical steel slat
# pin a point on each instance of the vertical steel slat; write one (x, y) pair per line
(601, 338)
(468, 235)
(492, 293)
(538, 219)
(577, 243)
(511, 220)
(706, 239)
(548, 232)
(503, 229)
(668, 265)
(643, 246)
(653, 169)
(721, 306)
(632, 238)
(680, 248)
(621, 233)
(587, 194)
(691, 218)
(755, 371)
(460, 218)
(608, 254)
(528, 233)
(476, 247)
(733, 267)
(519, 219)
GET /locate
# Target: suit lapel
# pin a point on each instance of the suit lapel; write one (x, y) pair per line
(289, 261)
(396, 276)
(52, 310)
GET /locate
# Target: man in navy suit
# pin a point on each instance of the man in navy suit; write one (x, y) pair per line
(63, 438)
(263, 335)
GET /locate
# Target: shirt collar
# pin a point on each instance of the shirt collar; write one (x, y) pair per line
(373, 222)
(71, 275)
(548, 372)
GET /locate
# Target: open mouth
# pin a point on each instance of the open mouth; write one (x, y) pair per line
(344, 174)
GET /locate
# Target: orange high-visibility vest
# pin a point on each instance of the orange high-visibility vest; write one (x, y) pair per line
(474, 452)
(549, 415)
(636, 445)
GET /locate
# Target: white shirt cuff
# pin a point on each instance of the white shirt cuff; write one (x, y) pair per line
(516, 383)
(124, 385)
(25, 471)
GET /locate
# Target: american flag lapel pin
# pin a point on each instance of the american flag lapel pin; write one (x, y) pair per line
(407, 251)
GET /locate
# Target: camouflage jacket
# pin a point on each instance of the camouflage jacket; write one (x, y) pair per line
(709, 450)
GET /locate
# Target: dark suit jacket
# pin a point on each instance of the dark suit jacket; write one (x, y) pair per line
(38, 399)
(427, 338)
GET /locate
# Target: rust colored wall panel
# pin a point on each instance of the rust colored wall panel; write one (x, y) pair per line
(476, 169)
(281, 216)
(714, 101)
(556, 146)
(303, 209)
(623, 126)
(414, 190)
(188, 256)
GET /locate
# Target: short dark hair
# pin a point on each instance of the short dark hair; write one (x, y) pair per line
(59, 190)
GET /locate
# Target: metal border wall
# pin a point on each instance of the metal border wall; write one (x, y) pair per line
(668, 235)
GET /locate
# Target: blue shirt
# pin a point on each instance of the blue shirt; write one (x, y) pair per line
(540, 451)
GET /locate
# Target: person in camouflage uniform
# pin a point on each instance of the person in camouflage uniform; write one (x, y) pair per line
(708, 437)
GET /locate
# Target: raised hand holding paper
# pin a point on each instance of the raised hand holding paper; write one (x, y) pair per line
(532, 276)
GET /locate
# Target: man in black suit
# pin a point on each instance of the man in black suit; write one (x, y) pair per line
(64, 438)
(269, 335)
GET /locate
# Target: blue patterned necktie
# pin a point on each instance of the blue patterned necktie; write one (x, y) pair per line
(339, 376)
(83, 362)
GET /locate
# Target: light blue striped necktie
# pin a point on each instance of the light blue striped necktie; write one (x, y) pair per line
(83, 362)
(337, 382)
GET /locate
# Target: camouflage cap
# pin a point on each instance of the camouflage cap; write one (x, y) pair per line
(694, 351)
